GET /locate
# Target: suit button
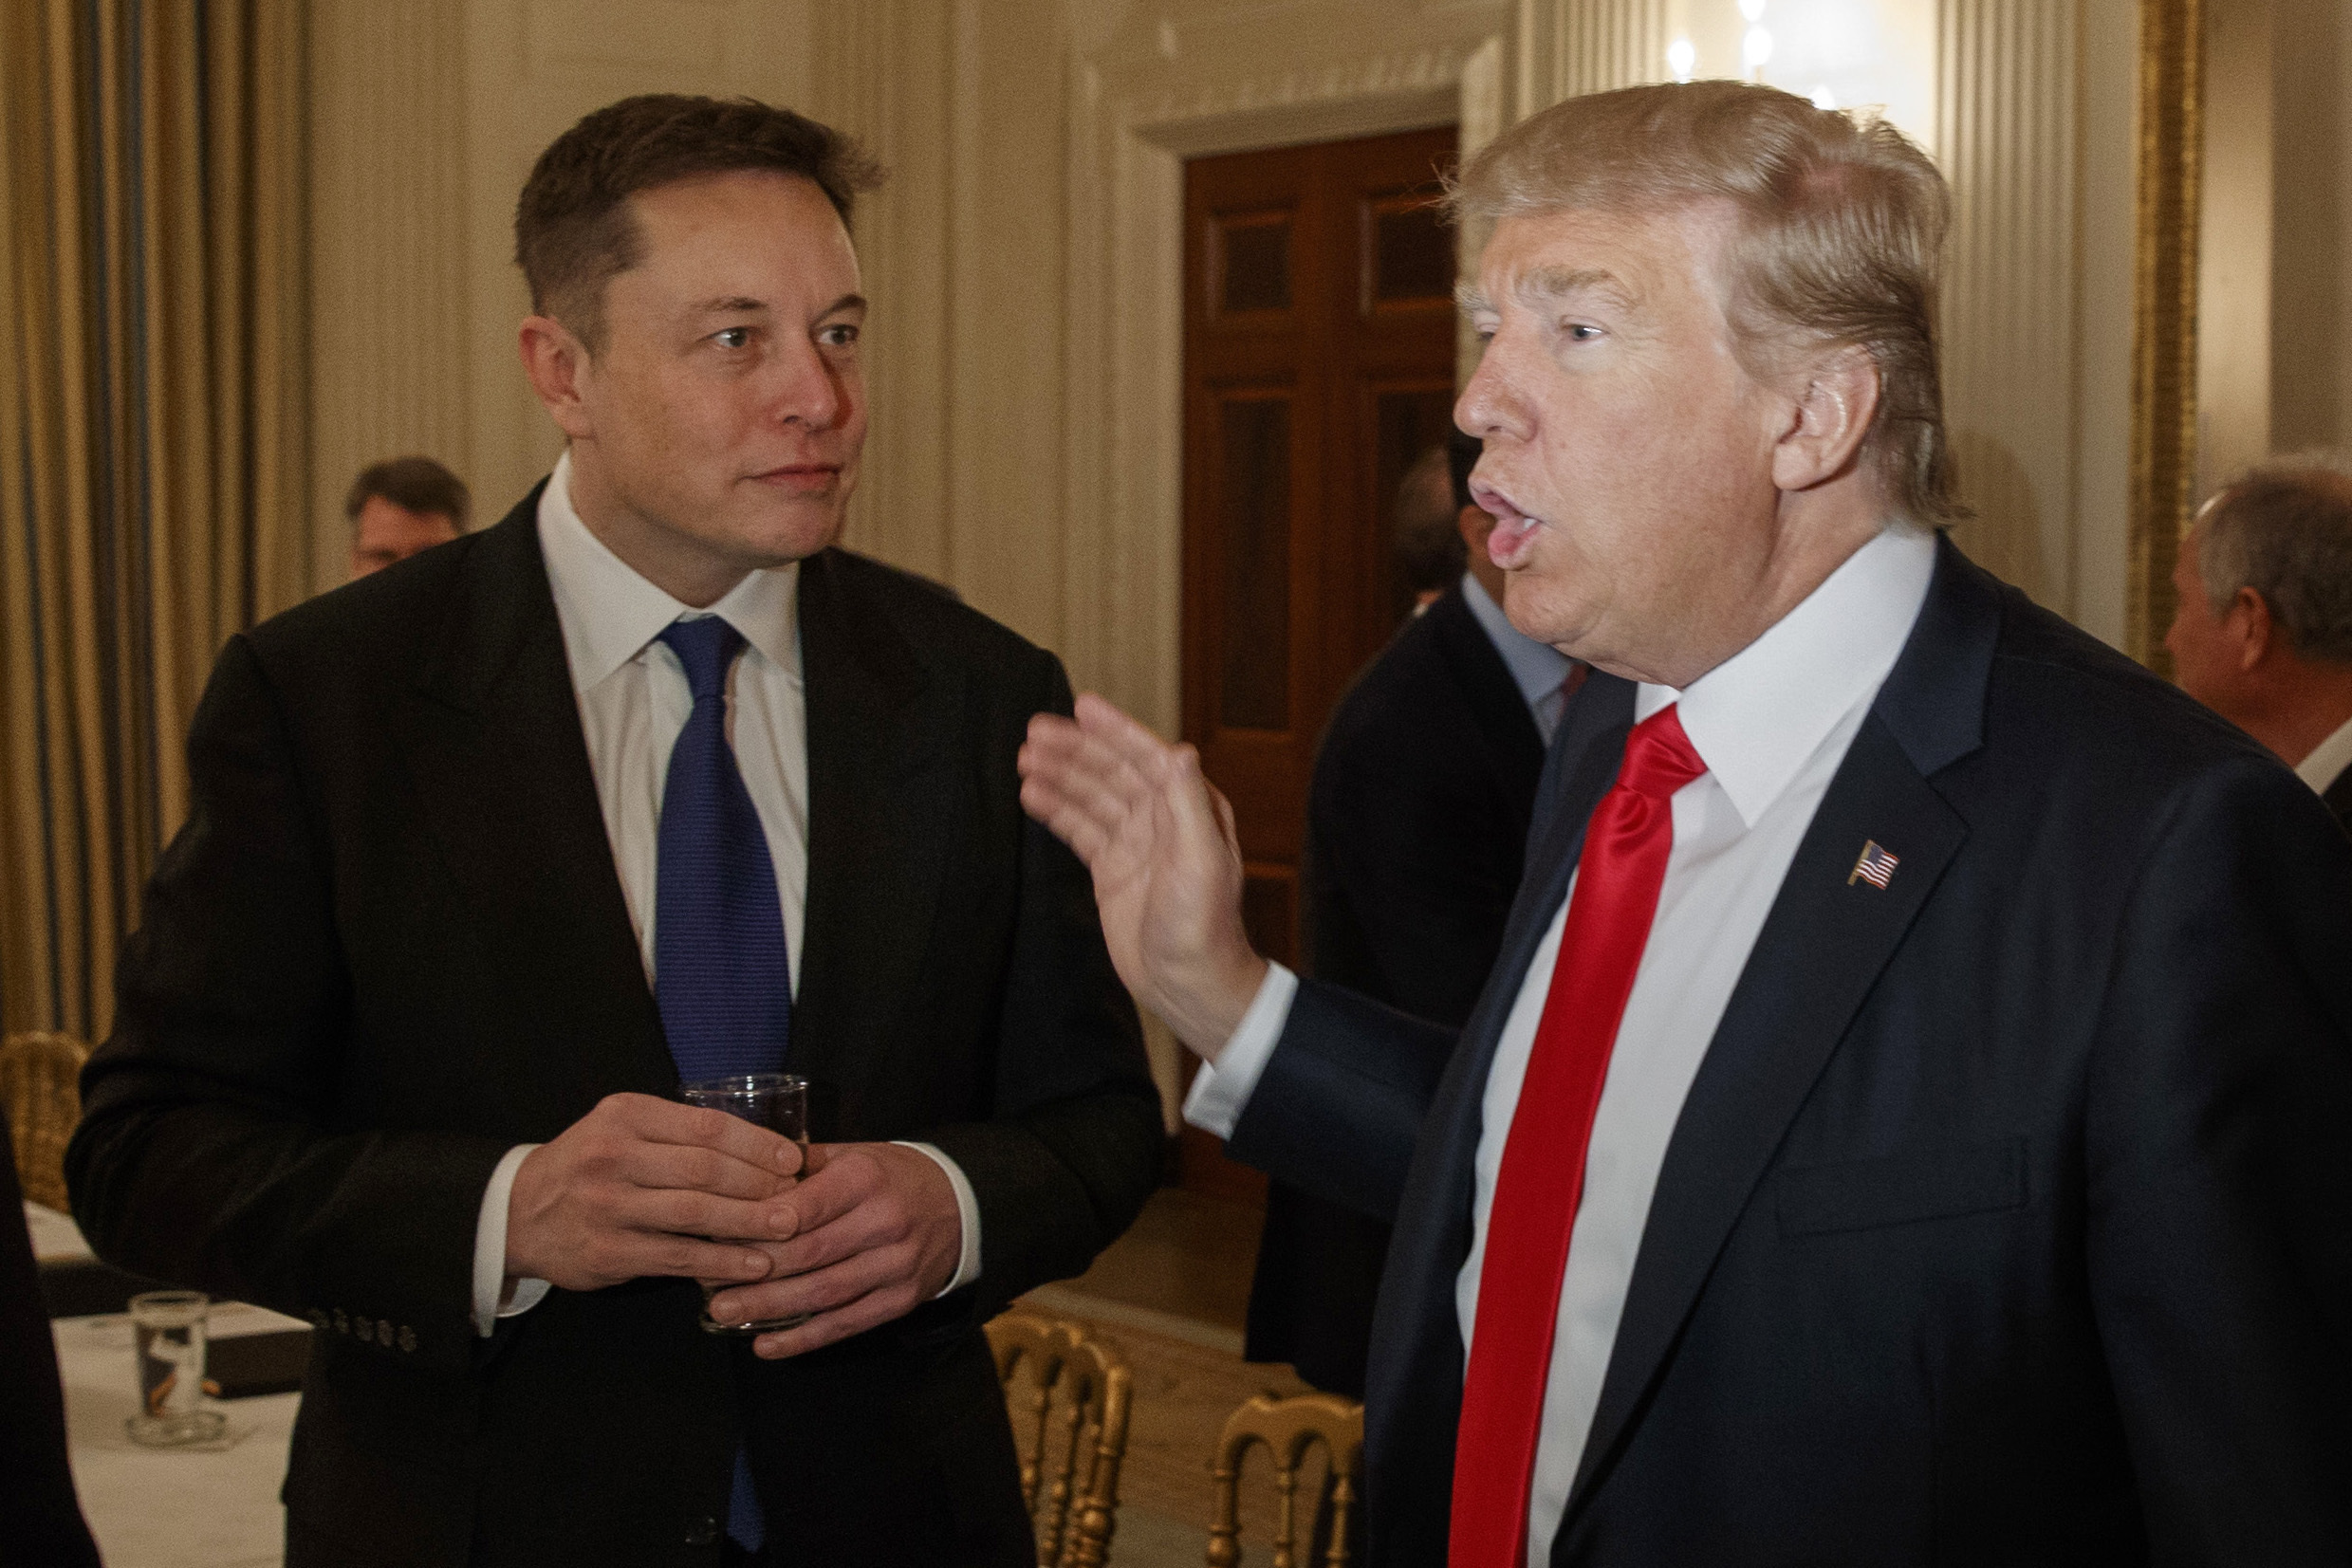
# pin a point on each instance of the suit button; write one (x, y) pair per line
(408, 1337)
(366, 1332)
(703, 1530)
(342, 1324)
(320, 1321)
(383, 1332)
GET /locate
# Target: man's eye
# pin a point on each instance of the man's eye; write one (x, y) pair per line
(840, 335)
(1581, 333)
(732, 337)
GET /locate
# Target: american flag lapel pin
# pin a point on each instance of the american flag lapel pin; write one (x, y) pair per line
(1877, 866)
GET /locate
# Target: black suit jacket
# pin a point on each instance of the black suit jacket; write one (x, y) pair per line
(40, 1516)
(2339, 799)
(390, 943)
(1416, 828)
(2008, 1220)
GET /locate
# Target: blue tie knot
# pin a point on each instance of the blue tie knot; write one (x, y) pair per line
(706, 647)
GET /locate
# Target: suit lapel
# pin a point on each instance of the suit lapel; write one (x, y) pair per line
(501, 767)
(878, 827)
(1828, 936)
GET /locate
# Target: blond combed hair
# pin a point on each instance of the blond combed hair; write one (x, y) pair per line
(1840, 223)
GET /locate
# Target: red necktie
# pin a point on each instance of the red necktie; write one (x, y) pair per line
(1541, 1178)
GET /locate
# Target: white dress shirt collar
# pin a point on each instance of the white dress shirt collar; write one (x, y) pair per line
(1755, 718)
(610, 613)
(1536, 668)
(2328, 759)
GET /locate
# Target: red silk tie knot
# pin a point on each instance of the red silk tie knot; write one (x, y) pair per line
(1540, 1181)
(1660, 758)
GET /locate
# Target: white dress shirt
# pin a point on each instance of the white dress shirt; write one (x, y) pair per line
(634, 700)
(2328, 759)
(1536, 668)
(1772, 724)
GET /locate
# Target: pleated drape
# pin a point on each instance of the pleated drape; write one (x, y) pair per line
(151, 302)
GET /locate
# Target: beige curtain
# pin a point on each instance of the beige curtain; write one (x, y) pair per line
(151, 440)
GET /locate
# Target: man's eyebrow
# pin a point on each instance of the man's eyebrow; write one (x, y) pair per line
(1468, 300)
(1556, 283)
(847, 302)
(732, 304)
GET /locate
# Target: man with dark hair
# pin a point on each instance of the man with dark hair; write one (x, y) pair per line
(2262, 632)
(400, 506)
(682, 792)
(1428, 542)
(1417, 826)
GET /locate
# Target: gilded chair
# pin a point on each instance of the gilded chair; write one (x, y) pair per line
(1068, 1396)
(1288, 1428)
(39, 1087)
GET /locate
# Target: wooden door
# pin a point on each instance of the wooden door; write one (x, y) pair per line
(1318, 363)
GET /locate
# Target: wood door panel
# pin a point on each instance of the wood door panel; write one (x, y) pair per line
(1317, 282)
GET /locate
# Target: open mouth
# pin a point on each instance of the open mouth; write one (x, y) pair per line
(1513, 538)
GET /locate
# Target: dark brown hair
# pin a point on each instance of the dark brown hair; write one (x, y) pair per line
(412, 484)
(573, 230)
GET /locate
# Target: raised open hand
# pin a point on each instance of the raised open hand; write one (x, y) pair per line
(1158, 838)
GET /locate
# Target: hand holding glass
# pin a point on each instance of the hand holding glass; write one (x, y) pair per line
(779, 1102)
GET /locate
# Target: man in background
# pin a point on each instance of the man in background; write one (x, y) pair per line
(399, 506)
(1417, 829)
(1429, 544)
(2262, 633)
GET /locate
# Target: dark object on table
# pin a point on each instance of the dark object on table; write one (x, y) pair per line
(244, 1365)
(40, 1518)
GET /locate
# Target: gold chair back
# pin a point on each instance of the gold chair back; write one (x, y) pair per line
(39, 1087)
(1070, 1396)
(1288, 1428)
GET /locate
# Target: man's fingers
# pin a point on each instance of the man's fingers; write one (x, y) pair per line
(686, 1213)
(700, 1170)
(844, 1179)
(703, 1127)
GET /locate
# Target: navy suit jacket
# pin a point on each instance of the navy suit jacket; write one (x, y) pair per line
(2008, 1220)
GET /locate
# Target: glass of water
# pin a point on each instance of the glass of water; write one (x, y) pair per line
(779, 1102)
(168, 1326)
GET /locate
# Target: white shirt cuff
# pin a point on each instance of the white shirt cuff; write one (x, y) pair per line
(966, 1209)
(1223, 1087)
(489, 1251)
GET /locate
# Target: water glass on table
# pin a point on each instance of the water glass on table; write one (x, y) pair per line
(779, 1102)
(168, 1327)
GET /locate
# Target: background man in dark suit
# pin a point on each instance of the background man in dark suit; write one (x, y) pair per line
(40, 1516)
(386, 1052)
(402, 506)
(1416, 827)
(2262, 631)
(1906, 1123)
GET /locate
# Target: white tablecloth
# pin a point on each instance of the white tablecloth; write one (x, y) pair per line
(214, 1507)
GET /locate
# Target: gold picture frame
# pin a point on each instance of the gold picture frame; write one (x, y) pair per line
(2164, 350)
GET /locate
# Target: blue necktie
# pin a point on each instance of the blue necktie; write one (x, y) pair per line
(722, 975)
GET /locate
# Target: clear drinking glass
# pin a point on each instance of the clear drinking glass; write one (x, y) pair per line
(779, 1102)
(169, 1328)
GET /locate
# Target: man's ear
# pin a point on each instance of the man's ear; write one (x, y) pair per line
(1822, 438)
(555, 361)
(2250, 622)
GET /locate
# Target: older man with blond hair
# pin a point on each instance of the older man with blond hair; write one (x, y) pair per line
(1905, 1123)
